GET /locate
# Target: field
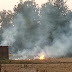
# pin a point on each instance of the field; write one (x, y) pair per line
(47, 65)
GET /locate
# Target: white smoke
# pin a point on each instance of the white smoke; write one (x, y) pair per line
(9, 36)
(49, 33)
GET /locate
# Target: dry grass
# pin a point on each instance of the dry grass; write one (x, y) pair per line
(47, 65)
(37, 61)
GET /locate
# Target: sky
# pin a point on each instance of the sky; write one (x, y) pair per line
(9, 4)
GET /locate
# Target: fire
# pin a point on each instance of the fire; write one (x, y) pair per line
(42, 57)
(29, 59)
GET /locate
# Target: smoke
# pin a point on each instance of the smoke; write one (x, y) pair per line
(8, 36)
(33, 34)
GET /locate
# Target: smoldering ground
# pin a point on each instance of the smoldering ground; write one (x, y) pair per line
(48, 32)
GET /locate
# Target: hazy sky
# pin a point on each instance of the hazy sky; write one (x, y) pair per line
(9, 4)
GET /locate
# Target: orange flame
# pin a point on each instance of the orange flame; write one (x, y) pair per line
(42, 57)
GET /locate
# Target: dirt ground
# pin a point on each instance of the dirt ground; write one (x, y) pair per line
(49, 65)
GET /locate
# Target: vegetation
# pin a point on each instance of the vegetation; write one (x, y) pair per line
(37, 61)
(32, 23)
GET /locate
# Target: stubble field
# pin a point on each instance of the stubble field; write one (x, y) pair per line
(47, 65)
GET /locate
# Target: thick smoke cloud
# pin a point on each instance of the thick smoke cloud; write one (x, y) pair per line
(48, 32)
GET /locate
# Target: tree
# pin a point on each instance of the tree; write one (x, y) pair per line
(26, 20)
(61, 4)
(6, 18)
(54, 19)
